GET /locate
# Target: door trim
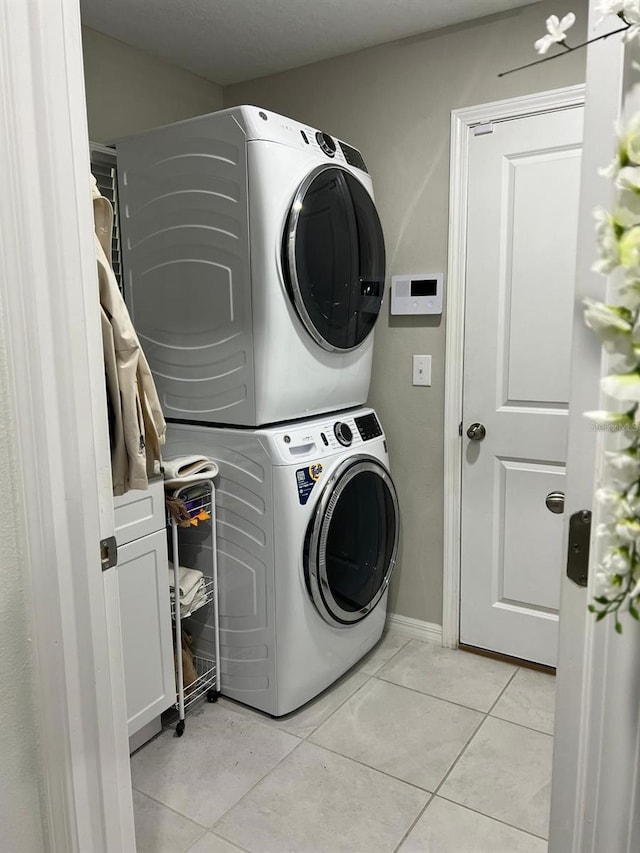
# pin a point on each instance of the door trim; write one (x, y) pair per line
(56, 414)
(462, 121)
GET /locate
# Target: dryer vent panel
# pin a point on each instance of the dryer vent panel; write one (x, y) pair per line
(185, 246)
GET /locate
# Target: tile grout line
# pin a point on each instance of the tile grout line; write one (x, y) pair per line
(411, 827)
(491, 817)
(450, 701)
(472, 736)
(485, 715)
(246, 793)
(374, 769)
(503, 691)
(169, 808)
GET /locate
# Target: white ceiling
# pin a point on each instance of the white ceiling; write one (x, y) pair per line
(229, 41)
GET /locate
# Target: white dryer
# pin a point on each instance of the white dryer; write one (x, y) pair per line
(254, 266)
(307, 533)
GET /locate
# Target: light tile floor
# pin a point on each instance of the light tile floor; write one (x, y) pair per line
(418, 749)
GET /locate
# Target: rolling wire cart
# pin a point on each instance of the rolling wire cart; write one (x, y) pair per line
(199, 500)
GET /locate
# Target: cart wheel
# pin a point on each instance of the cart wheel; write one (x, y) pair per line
(180, 728)
(212, 695)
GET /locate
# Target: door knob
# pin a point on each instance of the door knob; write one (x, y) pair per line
(476, 432)
(555, 501)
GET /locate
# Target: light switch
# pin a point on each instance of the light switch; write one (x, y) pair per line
(422, 370)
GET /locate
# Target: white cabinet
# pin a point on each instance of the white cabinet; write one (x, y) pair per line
(145, 613)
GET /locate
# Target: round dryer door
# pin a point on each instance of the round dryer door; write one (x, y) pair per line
(352, 540)
(334, 258)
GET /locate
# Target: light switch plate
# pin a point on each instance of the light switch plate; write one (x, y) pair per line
(422, 370)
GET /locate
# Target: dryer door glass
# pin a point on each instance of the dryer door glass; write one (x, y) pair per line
(352, 542)
(334, 259)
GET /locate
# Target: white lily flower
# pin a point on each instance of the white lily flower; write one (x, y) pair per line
(556, 32)
(607, 584)
(629, 249)
(617, 562)
(619, 419)
(622, 386)
(625, 469)
(608, 498)
(612, 324)
(607, 242)
(628, 529)
(629, 141)
(604, 531)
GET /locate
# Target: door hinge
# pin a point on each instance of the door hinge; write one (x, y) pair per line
(482, 128)
(578, 550)
(108, 553)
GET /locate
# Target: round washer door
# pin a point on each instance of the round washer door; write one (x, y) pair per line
(334, 258)
(352, 541)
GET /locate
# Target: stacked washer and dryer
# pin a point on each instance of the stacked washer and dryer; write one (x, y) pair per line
(255, 274)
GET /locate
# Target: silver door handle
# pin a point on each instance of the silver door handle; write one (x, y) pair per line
(555, 501)
(476, 432)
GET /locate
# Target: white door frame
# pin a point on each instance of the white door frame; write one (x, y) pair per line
(462, 122)
(57, 402)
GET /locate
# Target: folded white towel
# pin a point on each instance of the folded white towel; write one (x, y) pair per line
(187, 579)
(195, 599)
(188, 469)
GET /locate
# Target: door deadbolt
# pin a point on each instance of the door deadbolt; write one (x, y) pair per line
(476, 432)
(555, 501)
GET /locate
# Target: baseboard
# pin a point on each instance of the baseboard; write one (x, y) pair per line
(416, 627)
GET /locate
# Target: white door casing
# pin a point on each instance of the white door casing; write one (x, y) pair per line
(58, 404)
(522, 211)
(462, 132)
(595, 797)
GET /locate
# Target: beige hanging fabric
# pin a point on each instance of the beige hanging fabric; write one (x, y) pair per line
(136, 424)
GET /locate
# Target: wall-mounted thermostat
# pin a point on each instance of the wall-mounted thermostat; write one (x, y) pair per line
(417, 294)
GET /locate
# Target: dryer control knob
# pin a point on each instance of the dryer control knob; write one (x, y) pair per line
(326, 144)
(343, 433)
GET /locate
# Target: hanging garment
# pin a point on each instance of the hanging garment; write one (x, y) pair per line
(136, 421)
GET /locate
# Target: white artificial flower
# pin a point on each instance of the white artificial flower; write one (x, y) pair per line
(629, 140)
(622, 386)
(617, 562)
(628, 530)
(612, 324)
(609, 7)
(608, 498)
(614, 419)
(625, 468)
(627, 209)
(607, 584)
(607, 242)
(629, 249)
(631, 15)
(556, 32)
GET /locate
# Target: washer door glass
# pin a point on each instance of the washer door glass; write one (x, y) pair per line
(334, 258)
(352, 541)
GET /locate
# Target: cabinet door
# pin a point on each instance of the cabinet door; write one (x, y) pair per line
(146, 628)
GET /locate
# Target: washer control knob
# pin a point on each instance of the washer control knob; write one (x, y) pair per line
(343, 433)
(326, 144)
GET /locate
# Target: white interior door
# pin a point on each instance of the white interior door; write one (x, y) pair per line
(523, 199)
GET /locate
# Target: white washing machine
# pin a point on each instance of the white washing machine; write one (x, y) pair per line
(254, 266)
(307, 531)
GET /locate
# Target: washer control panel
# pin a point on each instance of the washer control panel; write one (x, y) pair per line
(368, 426)
(325, 436)
(343, 433)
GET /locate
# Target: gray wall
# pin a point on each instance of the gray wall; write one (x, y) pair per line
(129, 90)
(21, 781)
(394, 103)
